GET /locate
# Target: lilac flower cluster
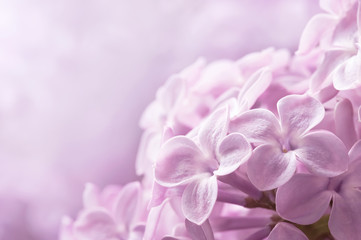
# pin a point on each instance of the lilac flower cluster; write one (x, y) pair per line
(266, 147)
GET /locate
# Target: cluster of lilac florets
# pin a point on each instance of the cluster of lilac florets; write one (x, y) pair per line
(266, 147)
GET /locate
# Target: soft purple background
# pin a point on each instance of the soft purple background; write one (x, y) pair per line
(76, 75)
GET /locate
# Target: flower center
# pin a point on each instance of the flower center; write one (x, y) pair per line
(334, 185)
(285, 145)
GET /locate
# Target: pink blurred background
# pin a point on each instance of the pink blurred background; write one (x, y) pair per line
(76, 75)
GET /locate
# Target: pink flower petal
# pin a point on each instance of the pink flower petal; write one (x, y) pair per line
(136, 233)
(352, 178)
(257, 125)
(179, 161)
(149, 144)
(229, 223)
(126, 204)
(323, 153)
(345, 217)
(315, 29)
(270, 168)
(218, 77)
(347, 75)
(200, 232)
(344, 122)
(304, 199)
(240, 181)
(158, 195)
(299, 113)
(233, 151)
(153, 221)
(355, 151)
(96, 224)
(344, 33)
(332, 60)
(199, 198)
(213, 130)
(254, 87)
(260, 234)
(326, 94)
(163, 220)
(269, 57)
(286, 231)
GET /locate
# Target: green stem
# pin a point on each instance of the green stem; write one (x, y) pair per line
(318, 230)
(263, 202)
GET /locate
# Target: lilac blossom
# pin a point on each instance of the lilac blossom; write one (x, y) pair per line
(306, 198)
(288, 140)
(266, 147)
(116, 213)
(182, 161)
(338, 34)
(191, 95)
(76, 76)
